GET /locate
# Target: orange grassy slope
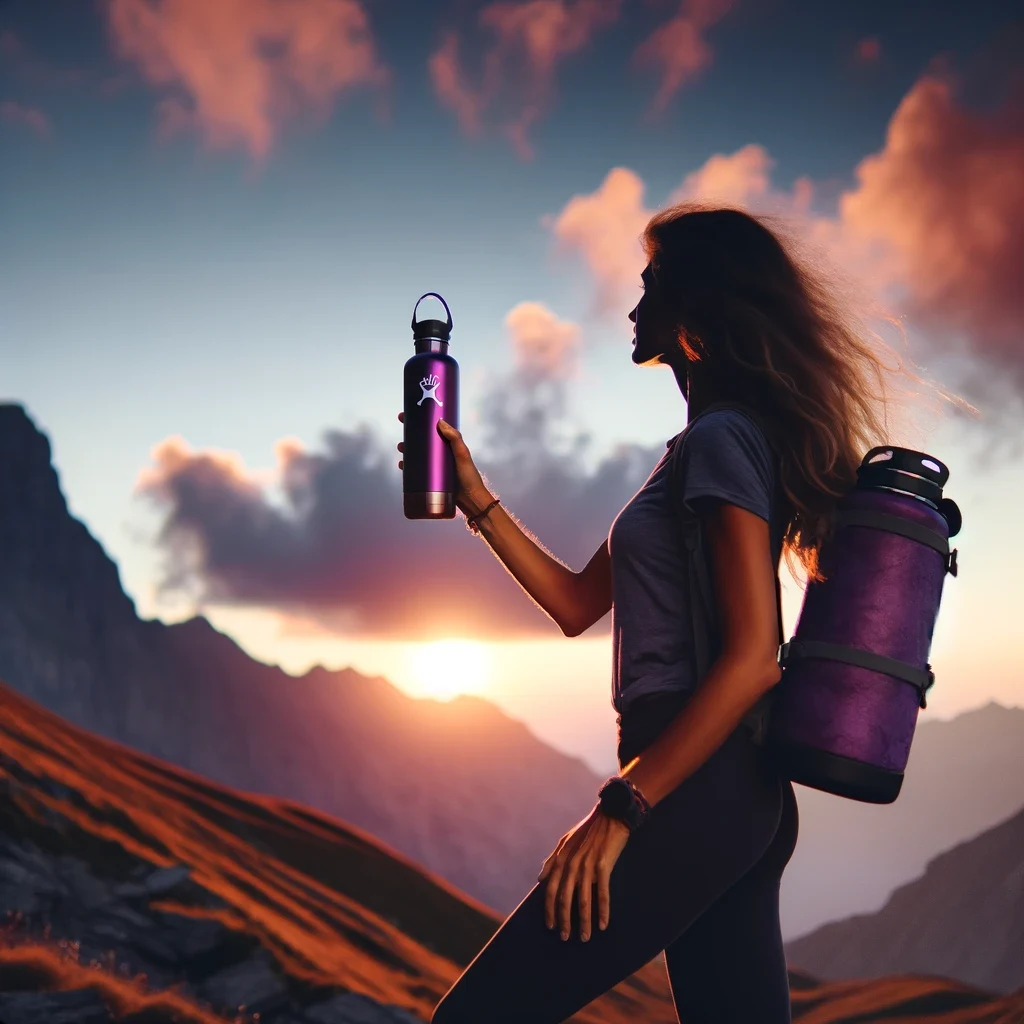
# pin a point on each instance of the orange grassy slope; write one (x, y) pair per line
(335, 907)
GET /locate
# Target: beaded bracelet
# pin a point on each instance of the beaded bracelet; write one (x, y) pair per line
(472, 521)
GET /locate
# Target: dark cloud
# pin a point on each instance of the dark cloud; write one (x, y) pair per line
(333, 545)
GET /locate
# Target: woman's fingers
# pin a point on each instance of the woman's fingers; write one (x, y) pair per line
(566, 890)
(586, 886)
(551, 892)
(546, 868)
(604, 897)
(401, 417)
(399, 463)
(400, 446)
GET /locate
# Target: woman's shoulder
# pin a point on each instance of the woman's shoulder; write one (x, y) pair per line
(729, 424)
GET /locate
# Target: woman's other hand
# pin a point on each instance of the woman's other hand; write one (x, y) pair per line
(583, 858)
(473, 494)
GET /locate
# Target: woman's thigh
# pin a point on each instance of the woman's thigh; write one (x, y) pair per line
(696, 843)
(730, 965)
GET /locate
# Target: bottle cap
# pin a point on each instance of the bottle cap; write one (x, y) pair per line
(438, 330)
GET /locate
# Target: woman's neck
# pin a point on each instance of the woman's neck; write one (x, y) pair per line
(692, 388)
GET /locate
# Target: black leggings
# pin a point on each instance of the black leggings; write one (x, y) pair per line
(700, 880)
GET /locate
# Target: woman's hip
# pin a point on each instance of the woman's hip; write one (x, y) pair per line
(736, 782)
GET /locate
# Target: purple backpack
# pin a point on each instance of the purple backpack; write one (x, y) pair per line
(856, 671)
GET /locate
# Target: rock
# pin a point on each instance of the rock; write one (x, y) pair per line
(164, 879)
(254, 983)
(198, 937)
(78, 1006)
(128, 916)
(87, 890)
(155, 949)
(353, 1008)
(17, 889)
(130, 890)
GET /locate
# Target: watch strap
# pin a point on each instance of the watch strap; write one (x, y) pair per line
(637, 808)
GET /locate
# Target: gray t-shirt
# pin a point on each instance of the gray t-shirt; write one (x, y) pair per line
(726, 456)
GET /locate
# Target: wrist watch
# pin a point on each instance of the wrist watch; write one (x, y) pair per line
(619, 798)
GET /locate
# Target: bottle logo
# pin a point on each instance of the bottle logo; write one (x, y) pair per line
(428, 386)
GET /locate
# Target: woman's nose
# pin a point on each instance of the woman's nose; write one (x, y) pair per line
(632, 314)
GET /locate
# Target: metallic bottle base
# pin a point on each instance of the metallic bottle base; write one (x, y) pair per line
(429, 505)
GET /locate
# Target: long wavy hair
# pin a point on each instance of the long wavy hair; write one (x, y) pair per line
(764, 328)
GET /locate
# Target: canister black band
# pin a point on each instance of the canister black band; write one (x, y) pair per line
(920, 678)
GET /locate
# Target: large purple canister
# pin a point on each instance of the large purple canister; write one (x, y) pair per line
(856, 671)
(431, 390)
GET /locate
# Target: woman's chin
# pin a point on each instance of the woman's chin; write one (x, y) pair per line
(642, 358)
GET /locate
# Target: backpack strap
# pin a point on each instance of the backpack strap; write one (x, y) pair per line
(703, 613)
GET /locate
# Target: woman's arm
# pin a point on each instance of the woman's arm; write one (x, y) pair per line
(747, 666)
(574, 600)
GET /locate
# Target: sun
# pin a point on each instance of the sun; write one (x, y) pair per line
(445, 668)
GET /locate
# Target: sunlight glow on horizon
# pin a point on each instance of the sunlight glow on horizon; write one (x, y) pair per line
(443, 669)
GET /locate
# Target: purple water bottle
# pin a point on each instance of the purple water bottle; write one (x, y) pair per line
(431, 387)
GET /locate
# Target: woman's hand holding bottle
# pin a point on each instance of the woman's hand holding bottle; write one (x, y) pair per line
(473, 494)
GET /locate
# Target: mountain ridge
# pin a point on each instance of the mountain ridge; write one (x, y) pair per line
(974, 932)
(353, 745)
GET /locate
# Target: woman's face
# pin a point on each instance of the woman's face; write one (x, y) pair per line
(653, 330)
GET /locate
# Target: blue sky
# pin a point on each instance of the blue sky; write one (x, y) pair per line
(156, 286)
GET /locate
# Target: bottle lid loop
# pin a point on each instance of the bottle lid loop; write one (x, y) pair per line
(428, 295)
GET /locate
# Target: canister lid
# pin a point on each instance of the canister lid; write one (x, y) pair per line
(903, 469)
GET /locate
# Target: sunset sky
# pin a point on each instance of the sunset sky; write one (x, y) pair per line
(216, 216)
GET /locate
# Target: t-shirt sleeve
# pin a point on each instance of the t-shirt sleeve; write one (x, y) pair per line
(727, 456)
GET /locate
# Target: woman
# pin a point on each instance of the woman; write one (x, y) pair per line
(687, 855)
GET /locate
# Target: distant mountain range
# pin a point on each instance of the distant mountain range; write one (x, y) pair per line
(137, 891)
(964, 918)
(964, 776)
(459, 787)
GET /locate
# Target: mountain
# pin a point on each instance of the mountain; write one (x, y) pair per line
(460, 787)
(135, 891)
(115, 865)
(963, 776)
(964, 918)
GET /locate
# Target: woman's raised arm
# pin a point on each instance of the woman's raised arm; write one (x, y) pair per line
(574, 600)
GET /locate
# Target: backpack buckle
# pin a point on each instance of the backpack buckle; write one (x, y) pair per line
(927, 686)
(951, 563)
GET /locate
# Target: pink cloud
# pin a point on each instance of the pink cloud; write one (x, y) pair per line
(451, 88)
(518, 70)
(604, 228)
(24, 116)
(934, 226)
(742, 178)
(944, 203)
(239, 69)
(678, 49)
(544, 346)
